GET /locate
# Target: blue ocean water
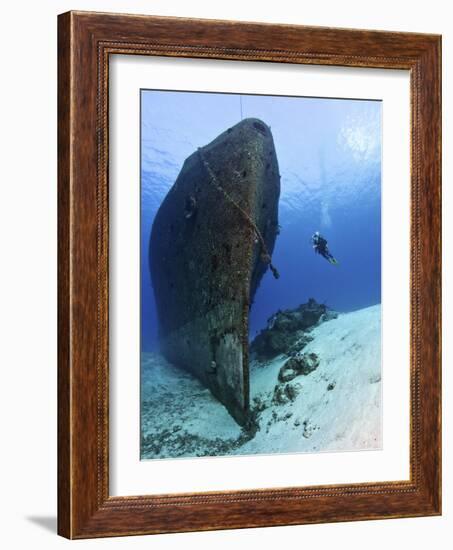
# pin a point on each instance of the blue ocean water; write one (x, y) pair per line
(329, 154)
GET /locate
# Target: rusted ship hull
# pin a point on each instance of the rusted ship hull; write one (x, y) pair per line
(211, 242)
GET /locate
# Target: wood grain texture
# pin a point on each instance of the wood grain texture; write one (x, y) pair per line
(85, 42)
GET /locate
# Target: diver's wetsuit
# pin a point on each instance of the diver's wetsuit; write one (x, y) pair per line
(320, 246)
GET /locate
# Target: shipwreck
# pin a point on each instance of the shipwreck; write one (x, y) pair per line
(211, 243)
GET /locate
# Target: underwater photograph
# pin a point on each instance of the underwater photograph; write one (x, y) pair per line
(260, 274)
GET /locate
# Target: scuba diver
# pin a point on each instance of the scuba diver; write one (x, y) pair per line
(320, 247)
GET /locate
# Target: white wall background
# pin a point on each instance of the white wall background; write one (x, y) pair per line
(28, 269)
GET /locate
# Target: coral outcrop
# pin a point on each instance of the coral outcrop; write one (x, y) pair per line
(287, 331)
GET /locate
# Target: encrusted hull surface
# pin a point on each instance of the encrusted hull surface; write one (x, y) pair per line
(211, 242)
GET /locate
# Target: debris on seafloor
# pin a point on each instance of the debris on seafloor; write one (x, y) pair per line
(297, 365)
(287, 331)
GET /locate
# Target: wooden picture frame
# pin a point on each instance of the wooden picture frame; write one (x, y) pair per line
(85, 42)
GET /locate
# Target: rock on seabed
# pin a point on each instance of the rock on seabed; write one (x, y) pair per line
(288, 331)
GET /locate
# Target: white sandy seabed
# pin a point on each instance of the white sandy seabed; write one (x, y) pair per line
(337, 407)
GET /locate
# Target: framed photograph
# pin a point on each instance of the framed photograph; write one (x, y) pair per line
(249, 275)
